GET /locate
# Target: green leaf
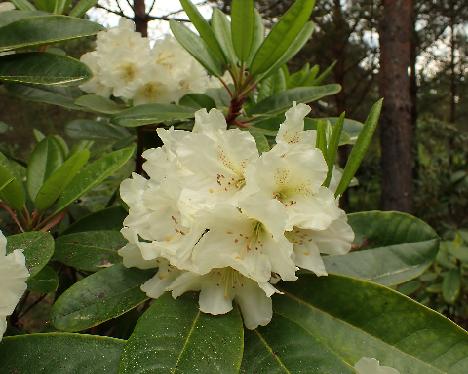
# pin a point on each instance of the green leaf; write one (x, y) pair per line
(99, 104)
(274, 84)
(332, 148)
(321, 78)
(297, 78)
(281, 36)
(196, 47)
(148, 114)
(89, 251)
(409, 287)
(60, 353)
(95, 130)
(280, 103)
(258, 36)
(14, 15)
(321, 142)
(393, 248)
(62, 145)
(106, 219)
(451, 286)
(351, 128)
(82, 7)
(43, 69)
(197, 101)
(242, 27)
(174, 336)
(60, 6)
(60, 179)
(204, 29)
(55, 95)
(29, 32)
(260, 139)
(360, 148)
(286, 347)
(38, 135)
(104, 295)
(358, 319)
(222, 30)
(45, 281)
(46, 5)
(45, 158)
(5, 181)
(23, 5)
(12, 191)
(37, 247)
(93, 174)
(314, 70)
(297, 44)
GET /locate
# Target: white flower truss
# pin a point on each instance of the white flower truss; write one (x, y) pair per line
(124, 65)
(13, 275)
(215, 216)
(367, 365)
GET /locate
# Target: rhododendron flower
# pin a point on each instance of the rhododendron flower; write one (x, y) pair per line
(215, 216)
(125, 66)
(368, 365)
(13, 275)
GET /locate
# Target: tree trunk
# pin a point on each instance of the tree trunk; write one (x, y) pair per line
(141, 23)
(395, 123)
(453, 89)
(414, 93)
(141, 20)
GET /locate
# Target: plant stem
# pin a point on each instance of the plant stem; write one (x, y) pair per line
(139, 150)
(13, 215)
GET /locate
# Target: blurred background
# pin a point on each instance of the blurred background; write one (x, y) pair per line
(412, 53)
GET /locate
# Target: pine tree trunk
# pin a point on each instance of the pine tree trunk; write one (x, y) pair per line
(395, 123)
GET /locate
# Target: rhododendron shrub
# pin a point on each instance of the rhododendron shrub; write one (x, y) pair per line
(194, 225)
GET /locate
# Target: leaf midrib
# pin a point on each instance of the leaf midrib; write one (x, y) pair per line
(187, 338)
(277, 359)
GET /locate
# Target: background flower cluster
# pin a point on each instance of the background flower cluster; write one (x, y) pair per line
(216, 216)
(124, 65)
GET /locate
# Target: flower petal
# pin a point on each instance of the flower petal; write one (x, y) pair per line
(209, 122)
(213, 298)
(256, 307)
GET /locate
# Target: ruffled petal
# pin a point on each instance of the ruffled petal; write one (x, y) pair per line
(292, 129)
(157, 285)
(209, 122)
(307, 256)
(255, 305)
(213, 298)
(131, 254)
(185, 282)
(337, 238)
